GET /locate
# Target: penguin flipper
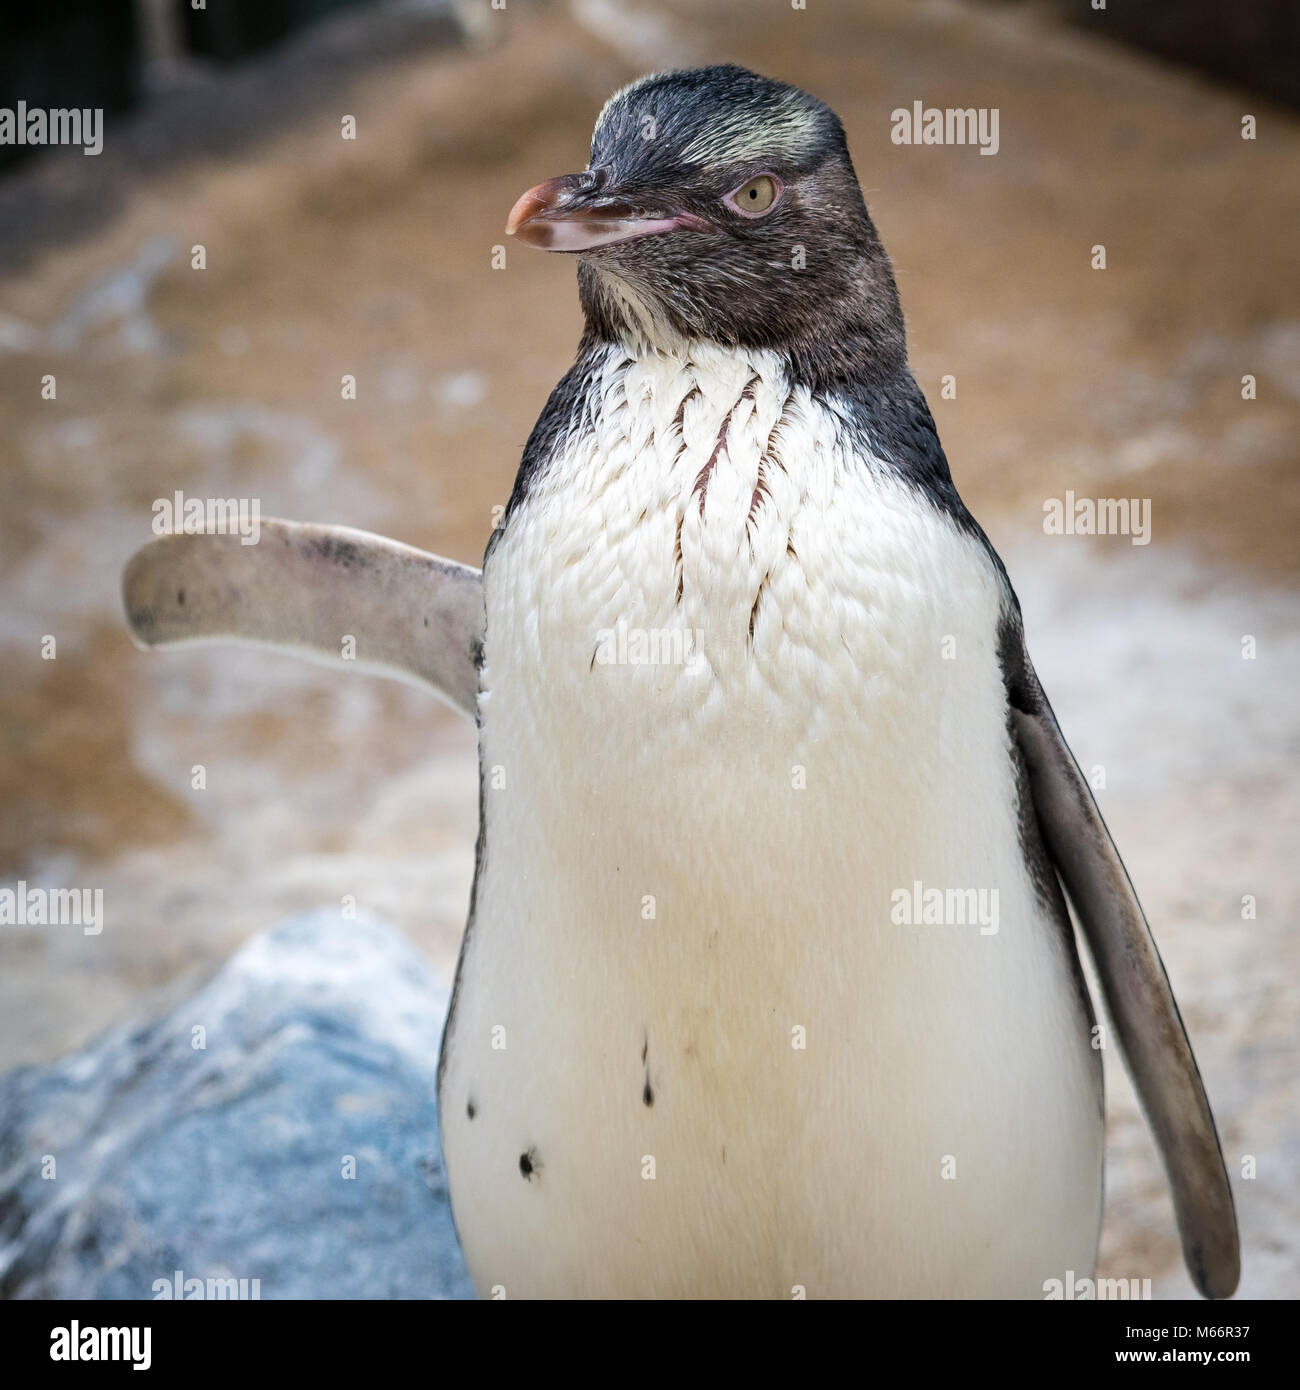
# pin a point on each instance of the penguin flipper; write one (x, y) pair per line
(306, 589)
(1133, 980)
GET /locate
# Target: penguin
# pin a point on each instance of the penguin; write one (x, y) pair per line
(769, 986)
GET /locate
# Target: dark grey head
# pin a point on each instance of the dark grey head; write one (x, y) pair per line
(723, 206)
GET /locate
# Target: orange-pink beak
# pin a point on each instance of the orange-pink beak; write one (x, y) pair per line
(570, 213)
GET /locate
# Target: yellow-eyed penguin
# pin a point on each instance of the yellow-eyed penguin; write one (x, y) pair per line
(769, 985)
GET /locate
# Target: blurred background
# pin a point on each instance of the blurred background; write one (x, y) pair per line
(372, 256)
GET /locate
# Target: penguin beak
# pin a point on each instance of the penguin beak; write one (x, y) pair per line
(575, 213)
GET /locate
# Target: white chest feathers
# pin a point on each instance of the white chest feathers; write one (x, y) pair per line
(741, 704)
(730, 538)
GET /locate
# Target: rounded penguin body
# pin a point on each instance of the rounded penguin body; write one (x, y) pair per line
(769, 987)
(742, 715)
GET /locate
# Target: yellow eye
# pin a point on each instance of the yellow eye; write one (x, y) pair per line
(757, 196)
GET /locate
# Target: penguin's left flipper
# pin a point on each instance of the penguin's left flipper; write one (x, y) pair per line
(345, 597)
(1133, 980)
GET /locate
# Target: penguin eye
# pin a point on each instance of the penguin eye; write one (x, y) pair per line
(756, 197)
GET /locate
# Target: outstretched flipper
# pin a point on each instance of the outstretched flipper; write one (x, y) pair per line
(306, 589)
(1133, 980)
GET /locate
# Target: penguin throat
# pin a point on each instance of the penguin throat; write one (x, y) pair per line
(863, 342)
(618, 310)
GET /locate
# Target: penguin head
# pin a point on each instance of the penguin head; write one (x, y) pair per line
(721, 206)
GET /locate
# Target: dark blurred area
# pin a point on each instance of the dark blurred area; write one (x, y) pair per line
(237, 29)
(1253, 43)
(94, 53)
(83, 53)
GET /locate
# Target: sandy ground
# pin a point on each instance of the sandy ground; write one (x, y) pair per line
(373, 257)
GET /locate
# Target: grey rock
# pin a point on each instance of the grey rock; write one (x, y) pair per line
(228, 1161)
